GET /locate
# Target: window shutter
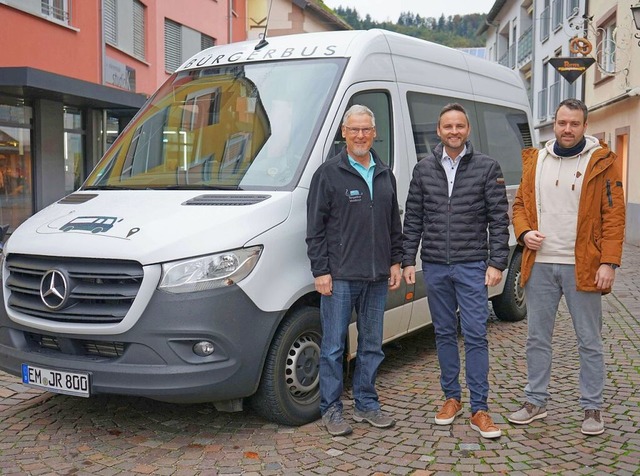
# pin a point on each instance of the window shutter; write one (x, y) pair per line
(138, 30)
(172, 45)
(110, 22)
(206, 41)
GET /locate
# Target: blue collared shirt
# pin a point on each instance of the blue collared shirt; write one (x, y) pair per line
(367, 174)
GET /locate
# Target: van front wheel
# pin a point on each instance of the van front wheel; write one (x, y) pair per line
(289, 390)
(511, 305)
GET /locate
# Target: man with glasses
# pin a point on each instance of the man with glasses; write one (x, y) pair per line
(457, 206)
(354, 243)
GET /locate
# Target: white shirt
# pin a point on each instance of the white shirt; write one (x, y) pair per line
(451, 166)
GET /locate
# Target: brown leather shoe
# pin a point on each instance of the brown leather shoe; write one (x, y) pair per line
(449, 411)
(481, 421)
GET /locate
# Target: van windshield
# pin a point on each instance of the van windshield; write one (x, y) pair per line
(232, 127)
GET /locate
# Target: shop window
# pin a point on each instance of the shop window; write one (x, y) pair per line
(16, 177)
(74, 157)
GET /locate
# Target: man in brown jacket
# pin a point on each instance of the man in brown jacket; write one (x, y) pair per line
(569, 214)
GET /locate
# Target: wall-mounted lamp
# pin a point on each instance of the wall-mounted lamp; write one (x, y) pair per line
(635, 11)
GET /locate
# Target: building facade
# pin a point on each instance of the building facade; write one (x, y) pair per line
(69, 86)
(613, 95)
(286, 17)
(527, 34)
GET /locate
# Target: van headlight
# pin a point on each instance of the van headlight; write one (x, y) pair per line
(209, 272)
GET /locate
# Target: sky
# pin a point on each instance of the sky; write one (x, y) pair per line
(389, 10)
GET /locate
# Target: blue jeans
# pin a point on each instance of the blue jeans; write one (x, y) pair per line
(449, 288)
(547, 283)
(369, 299)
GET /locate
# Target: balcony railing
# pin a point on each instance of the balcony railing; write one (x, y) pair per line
(525, 45)
(57, 9)
(555, 95)
(556, 14)
(572, 7)
(545, 21)
(543, 104)
(508, 59)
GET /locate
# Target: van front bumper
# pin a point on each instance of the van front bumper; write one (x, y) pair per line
(155, 357)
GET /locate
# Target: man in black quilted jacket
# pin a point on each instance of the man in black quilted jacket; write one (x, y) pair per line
(456, 195)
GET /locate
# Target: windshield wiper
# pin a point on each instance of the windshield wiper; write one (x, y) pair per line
(108, 187)
(199, 187)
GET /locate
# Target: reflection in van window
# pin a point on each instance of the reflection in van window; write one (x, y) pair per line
(500, 132)
(246, 127)
(380, 104)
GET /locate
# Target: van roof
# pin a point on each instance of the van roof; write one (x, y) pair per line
(382, 55)
(305, 45)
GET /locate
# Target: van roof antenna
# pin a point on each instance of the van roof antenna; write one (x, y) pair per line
(263, 41)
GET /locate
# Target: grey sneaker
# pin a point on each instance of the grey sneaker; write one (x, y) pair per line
(335, 423)
(527, 414)
(377, 418)
(592, 424)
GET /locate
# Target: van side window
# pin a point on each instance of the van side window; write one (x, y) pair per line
(498, 131)
(380, 103)
(505, 132)
(424, 110)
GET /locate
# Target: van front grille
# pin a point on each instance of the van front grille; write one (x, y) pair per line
(54, 344)
(76, 290)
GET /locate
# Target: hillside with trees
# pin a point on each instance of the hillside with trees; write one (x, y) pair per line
(457, 31)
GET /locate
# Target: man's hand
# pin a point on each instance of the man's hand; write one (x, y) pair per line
(533, 240)
(396, 276)
(409, 274)
(493, 275)
(324, 284)
(604, 277)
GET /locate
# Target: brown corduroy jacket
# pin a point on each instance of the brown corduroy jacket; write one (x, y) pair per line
(601, 216)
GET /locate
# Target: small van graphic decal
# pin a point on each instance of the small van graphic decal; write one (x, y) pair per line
(93, 224)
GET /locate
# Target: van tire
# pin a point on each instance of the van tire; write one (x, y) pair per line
(511, 305)
(289, 390)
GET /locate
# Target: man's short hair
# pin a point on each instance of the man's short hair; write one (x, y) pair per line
(358, 109)
(574, 105)
(453, 106)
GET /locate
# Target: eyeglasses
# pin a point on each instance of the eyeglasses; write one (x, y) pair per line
(354, 131)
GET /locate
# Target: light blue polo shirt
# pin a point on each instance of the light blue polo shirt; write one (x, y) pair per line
(367, 174)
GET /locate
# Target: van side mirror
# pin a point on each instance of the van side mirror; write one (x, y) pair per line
(3, 231)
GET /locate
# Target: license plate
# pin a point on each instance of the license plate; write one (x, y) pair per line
(69, 383)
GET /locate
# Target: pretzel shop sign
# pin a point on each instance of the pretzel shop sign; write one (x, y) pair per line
(571, 68)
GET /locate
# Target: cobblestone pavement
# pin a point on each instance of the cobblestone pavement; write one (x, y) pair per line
(42, 433)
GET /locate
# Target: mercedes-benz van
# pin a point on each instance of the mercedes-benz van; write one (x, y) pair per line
(178, 270)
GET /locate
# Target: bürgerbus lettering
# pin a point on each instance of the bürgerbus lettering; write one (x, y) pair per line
(307, 51)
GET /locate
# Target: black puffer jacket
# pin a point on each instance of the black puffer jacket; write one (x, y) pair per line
(454, 229)
(349, 236)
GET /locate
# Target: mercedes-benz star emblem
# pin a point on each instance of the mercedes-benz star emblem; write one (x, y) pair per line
(54, 289)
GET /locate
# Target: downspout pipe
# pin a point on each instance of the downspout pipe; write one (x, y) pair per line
(230, 21)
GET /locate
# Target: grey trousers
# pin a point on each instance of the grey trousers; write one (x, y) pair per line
(546, 285)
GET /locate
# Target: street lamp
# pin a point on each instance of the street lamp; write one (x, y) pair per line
(635, 11)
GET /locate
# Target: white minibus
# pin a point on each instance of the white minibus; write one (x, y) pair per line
(178, 270)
